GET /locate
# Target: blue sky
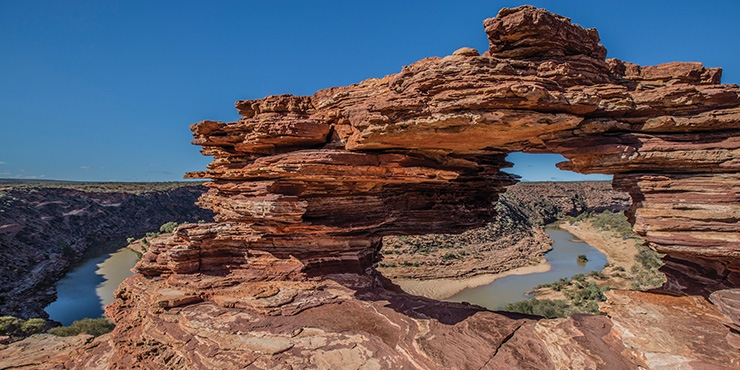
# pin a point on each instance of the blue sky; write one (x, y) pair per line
(105, 90)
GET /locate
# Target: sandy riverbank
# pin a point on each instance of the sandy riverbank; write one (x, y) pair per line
(445, 288)
(618, 251)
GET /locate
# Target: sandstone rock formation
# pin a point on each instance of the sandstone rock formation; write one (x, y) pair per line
(305, 187)
(515, 238)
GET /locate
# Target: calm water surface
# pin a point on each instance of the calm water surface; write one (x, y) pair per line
(562, 260)
(89, 285)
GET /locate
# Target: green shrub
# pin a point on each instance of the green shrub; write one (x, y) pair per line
(168, 227)
(94, 327)
(9, 325)
(648, 258)
(130, 240)
(546, 307)
(450, 256)
(33, 326)
(582, 258)
(15, 327)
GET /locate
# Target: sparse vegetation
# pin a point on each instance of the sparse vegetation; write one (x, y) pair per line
(582, 258)
(581, 297)
(584, 292)
(94, 327)
(168, 227)
(522, 213)
(541, 307)
(18, 329)
(607, 221)
(96, 187)
(645, 272)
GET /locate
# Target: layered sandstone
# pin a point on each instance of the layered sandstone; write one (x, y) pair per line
(304, 188)
(322, 177)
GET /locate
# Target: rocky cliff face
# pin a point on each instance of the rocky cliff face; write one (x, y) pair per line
(305, 187)
(514, 238)
(43, 230)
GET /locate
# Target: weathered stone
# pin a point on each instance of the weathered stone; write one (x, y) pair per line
(468, 52)
(305, 187)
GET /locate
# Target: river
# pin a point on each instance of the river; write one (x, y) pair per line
(563, 263)
(89, 285)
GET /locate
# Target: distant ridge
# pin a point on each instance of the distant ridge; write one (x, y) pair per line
(73, 182)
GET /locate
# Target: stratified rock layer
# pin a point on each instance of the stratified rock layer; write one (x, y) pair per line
(321, 177)
(305, 187)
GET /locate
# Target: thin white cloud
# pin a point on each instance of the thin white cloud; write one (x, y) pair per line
(85, 167)
(1, 162)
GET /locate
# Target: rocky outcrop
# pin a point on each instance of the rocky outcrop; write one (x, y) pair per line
(44, 229)
(321, 178)
(305, 188)
(514, 238)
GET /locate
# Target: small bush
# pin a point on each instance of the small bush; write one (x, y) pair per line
(582, 258)
(168, 227)
(450, 256)
(15, 327)
(33, 326)
(546, 307)
(9, 325)
(94, 327)
(130, 240)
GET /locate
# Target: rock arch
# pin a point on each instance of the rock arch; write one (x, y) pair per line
(305, 187)
(322, 177)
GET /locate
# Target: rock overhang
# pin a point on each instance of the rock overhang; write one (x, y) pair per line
(421, 151)
(304, 188)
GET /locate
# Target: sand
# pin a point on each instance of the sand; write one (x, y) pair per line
(618, 252)
(446, 288)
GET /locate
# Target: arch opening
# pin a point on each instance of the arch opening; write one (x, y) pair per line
(516, 239)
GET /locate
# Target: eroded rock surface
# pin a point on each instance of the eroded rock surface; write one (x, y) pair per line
(305, 187)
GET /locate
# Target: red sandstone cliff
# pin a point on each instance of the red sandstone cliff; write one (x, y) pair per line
(305, 188)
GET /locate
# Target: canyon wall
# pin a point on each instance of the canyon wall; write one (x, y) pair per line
(44, 229)
(305, 187)
(515, 237)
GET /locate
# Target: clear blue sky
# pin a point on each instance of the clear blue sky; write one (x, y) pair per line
(105, 90)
